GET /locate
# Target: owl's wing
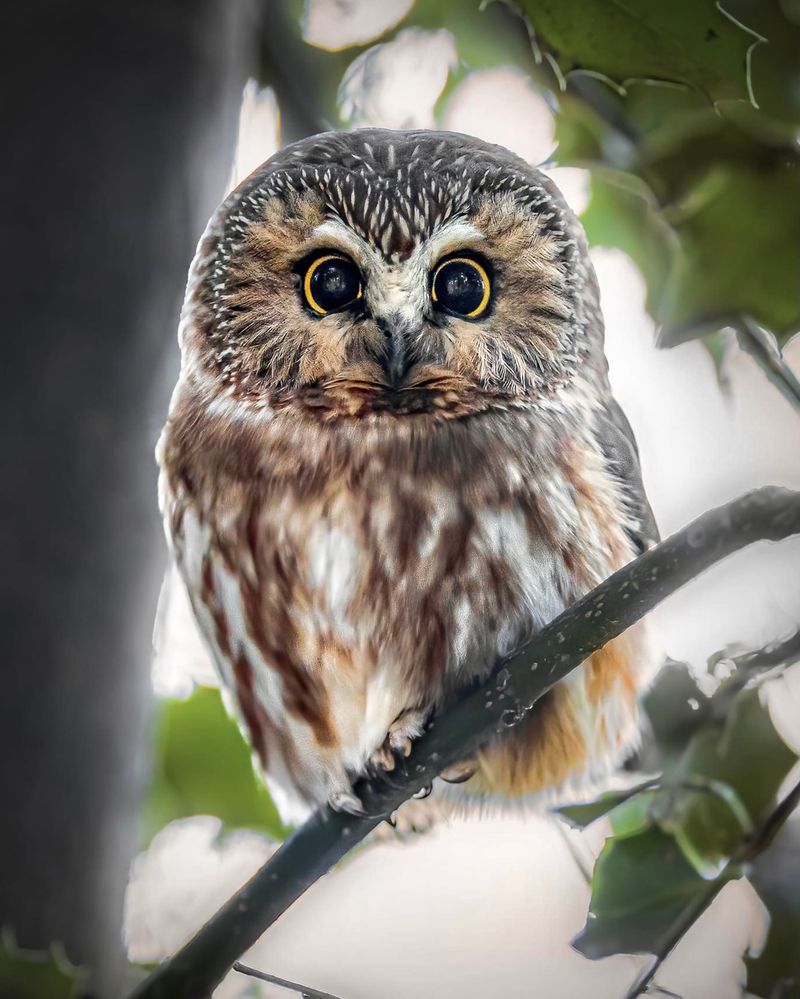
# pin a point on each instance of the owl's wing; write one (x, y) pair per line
(180, 656)
(615, 436)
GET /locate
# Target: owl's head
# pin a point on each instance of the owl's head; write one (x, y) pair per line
(390, 271)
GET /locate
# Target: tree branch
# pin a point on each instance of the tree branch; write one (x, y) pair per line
(505, 698)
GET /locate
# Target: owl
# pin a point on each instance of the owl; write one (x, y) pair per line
(393, 455)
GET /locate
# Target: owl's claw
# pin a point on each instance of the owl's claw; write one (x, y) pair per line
(346, 801)
(400, 742)
(458, 773)
(399, 739)
(383, 758)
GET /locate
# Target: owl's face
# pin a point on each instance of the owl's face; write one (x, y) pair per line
(402, 271)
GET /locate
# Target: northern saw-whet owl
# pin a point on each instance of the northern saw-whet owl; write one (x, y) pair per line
(393, 455)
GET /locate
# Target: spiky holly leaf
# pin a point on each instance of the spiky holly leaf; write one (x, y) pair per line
(726, 782)
(687, 41)
(774, 63)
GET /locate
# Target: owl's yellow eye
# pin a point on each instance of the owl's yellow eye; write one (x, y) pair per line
(462, 287)
(331, 283)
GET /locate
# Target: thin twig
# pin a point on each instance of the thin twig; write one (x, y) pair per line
(781, 653)
(303, 990)
(487, 711)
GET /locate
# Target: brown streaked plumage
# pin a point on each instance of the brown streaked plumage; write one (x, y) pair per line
(370, 504)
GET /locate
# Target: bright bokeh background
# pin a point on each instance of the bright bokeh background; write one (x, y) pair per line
(487, 907)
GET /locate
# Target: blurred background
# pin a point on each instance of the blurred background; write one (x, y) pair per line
(130, 808)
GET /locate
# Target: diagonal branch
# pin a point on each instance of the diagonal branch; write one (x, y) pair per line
(770, 513)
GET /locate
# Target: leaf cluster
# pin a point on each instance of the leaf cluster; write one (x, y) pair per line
(706, 819)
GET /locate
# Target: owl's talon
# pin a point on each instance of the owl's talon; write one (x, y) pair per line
(458, 773)
(383, 759)
(400, 743)
(346, 801)
(399, 739)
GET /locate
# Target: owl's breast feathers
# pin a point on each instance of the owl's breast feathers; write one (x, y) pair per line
(345, 573)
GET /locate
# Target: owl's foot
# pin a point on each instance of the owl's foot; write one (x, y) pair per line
(402, 732)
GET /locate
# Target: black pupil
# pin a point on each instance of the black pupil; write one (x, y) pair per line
(334, 284)
(459, 287)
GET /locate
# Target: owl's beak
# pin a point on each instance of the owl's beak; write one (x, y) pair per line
(394, 359)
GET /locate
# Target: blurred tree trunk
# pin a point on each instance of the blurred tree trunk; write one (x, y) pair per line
(118, 126)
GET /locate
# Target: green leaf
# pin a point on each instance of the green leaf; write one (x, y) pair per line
(675, 708)
(622, 216)
(742, 763)
(740, 255)
(707, 820)
(30, 974)
(641, 885)
(203, 766)
(633, 816)
(775, 62)
(718, 346)
(686, 41)
(584, 814)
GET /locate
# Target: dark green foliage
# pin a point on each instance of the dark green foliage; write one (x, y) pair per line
(678, 839)
(714, 223)
(686, 41)
(665, 886)
(775, 973)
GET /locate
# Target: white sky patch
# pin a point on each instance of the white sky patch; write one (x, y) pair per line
(181, 880)
(338, 24)
(701, 449)
(259, 131)
(502, 105)
(574, 184)
(485, 908)
(396, 84)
